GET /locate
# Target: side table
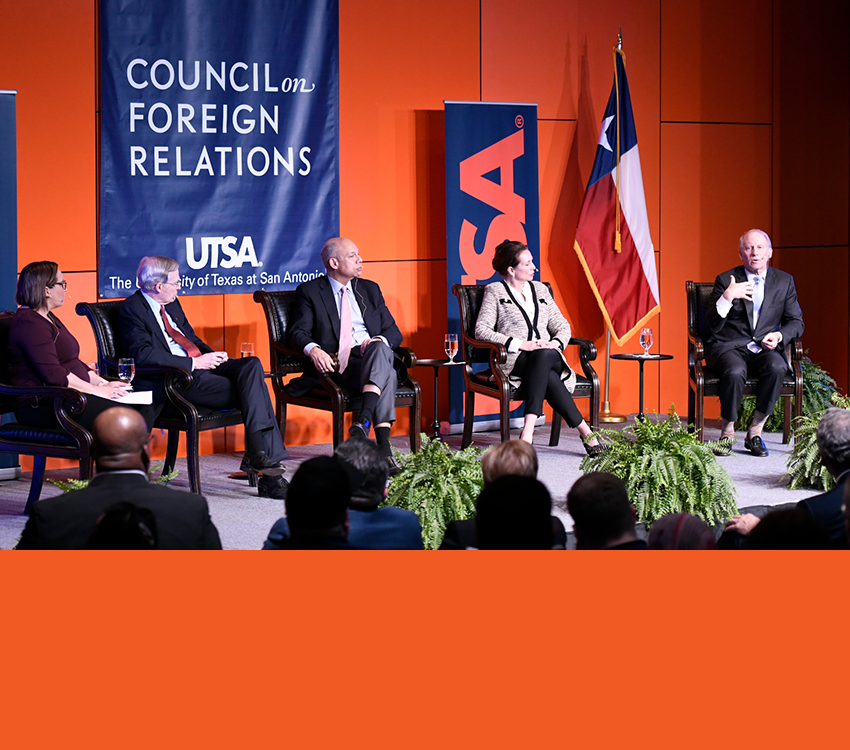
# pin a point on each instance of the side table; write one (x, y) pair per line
(642, 358)
(437, 364)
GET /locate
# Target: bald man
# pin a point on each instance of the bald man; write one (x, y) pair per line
(343, 324)
(122, 457)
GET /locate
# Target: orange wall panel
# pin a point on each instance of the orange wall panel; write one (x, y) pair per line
(397, 59)
(716, 61)
(714, 187)
(49, 58)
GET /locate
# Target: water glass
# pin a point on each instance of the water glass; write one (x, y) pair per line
(451, 346)
(126, 370)
(646, 340)
(247, 350)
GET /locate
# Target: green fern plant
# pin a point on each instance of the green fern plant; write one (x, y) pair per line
(666, 470)
(439, 485)
(804, 467)
(69, 485)
(818, 387)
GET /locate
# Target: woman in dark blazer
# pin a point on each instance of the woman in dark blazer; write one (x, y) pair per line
(521, 314)
(43, 352)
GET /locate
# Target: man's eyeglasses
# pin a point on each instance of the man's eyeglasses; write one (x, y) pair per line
(63, 284)
(175, 284)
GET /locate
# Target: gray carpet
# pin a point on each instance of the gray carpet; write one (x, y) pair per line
(243, 519)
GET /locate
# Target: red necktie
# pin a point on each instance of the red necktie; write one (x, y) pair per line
(190, 348)
(345, 331)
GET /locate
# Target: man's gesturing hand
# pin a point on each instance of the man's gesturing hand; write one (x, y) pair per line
(738, 290)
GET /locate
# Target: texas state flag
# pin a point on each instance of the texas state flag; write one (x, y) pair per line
(620, 267)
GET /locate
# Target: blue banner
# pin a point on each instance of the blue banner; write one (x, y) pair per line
(491, 195)
(219, 141)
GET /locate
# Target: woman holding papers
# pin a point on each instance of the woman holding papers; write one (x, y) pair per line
(521, 314)
(43, 352)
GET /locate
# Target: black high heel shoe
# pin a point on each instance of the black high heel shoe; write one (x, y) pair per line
(594, 450)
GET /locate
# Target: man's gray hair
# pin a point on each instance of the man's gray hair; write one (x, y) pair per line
(153, 270)
(749, 231)
(834, 440)
(371, 464)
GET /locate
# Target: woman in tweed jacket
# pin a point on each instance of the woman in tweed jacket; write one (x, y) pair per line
(521, 314)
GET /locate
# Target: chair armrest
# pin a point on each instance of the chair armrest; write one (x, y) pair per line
(696, 349)
(73, 401)
(406, 355)
(588, 348)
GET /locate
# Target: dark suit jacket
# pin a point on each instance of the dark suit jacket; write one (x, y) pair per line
(826, 508)
(65, 522)
(143, 339)
(376, 528)
(463, 534)
(780, 311)
(316, 319)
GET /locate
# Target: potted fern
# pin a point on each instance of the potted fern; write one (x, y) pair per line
(69, 485)
(666, 470)
(805, 468)
(439, 485)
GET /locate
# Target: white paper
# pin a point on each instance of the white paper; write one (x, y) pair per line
(136, 397)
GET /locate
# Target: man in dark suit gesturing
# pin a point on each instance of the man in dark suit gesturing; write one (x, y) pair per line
(155, 331)
(342, 323)
(122, 457)
(753, 315)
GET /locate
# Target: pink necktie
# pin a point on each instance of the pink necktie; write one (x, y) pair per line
(345, 331)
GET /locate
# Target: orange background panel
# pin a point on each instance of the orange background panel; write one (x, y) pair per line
(397, 59)
(49, 58)
(716, 61)
(712, 191)
(825, 303)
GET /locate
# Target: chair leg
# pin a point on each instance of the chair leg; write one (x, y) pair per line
(38, 466)
(415, 426)
(171, 451)
(281, 420)
(505, 419)
(468, 419)
(786, 422)
(338, 426)
(193, 460)
(555, 437)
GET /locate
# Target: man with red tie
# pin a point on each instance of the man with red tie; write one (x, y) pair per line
(752, 317)
(155, 332)
(341, 314)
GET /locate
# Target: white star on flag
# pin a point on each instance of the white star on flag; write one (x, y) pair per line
(603, 134)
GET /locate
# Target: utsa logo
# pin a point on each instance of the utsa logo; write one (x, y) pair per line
(221, 252)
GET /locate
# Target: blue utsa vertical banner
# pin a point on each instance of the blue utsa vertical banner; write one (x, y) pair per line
(219, 134)
(491, 195)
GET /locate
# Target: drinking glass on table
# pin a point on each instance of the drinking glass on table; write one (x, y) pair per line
(126, 370)
(247, 350)
(451, 346)
(646, 340)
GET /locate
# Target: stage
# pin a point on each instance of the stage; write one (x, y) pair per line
(243, 519)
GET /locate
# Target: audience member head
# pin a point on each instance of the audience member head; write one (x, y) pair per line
(33, 282)
(507, 256)
(124, 526)
(834, 440)
(789, 528)
(514, 512)
(601, 511)
(120, 440)
(153, 270)
(680, 531)
(514, 457)
(371, 470)
(318, 498)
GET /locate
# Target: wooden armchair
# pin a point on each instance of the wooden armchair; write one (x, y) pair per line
(178, 415)
(73, 441)
(327, 395)
(703, 381)
(476, 351)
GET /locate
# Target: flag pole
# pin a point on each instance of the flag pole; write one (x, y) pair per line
(606, 416)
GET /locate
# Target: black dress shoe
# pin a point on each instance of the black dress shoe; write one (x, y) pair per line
(756, 446)
(359, 430)
(273, 487)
